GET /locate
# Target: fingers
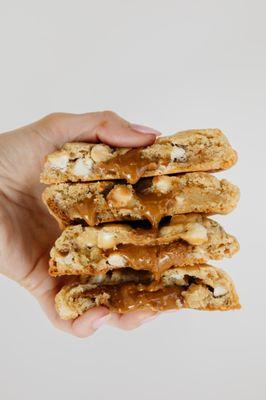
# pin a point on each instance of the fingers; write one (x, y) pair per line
(115, 131)
(90, 321)
(105, 126)
(132, 320)
(82, 326)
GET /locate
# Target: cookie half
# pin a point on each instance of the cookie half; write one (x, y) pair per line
(150, 199)
(198, 287)
(186, 240)
(193, 150)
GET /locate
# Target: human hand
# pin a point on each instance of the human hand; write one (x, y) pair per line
(27, 232)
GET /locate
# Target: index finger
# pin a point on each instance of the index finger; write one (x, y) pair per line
(106, 127)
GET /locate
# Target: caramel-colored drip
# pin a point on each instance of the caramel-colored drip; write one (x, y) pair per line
(172, 254)
(87, 209)
(131, 165)
(140, 257)
(155, 206)
(131, 297)
(155, 259)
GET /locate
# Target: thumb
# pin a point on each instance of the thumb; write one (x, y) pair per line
(106, 127)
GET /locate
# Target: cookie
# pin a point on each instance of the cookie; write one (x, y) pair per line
(193, 150)
(150, 199)
(185, 240)
(199, 287)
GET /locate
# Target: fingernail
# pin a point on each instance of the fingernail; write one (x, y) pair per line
(145, 129)
(149, 318)
(101, 321)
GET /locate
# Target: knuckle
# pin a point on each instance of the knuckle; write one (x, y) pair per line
(52, 119)
(108, 114)
(57, 324)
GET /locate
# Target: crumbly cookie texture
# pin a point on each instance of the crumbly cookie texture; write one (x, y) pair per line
(192, 150)
(199, 287)
(185, 240)
(150, 199)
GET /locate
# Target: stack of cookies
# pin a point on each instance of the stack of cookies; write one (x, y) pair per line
(136, 232)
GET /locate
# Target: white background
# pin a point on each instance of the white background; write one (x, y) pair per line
(173, 65)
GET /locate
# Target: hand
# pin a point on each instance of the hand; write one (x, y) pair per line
(27, 231)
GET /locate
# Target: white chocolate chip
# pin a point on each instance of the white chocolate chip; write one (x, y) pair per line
(196, 234)
(116, 260)
(83, 167)
(179, 201)
(163, 183)
(219, 291)
(174, 278)
(99, 278)
(58, 160)
(106, 240)
(178, 154)
(121, 196)
(67, 260)
(88, 238)
(101, 153)
(200, 254)
(180, 282)
(171, 230)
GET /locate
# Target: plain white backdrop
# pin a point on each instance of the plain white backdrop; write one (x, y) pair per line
(172, 65)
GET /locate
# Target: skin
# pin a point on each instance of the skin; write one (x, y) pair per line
(27, 231)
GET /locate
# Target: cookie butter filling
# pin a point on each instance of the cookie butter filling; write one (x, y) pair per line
(131, 297)
(86, 209)
(155, 259)
(133, 164)
(152, 206)
(155, 295)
